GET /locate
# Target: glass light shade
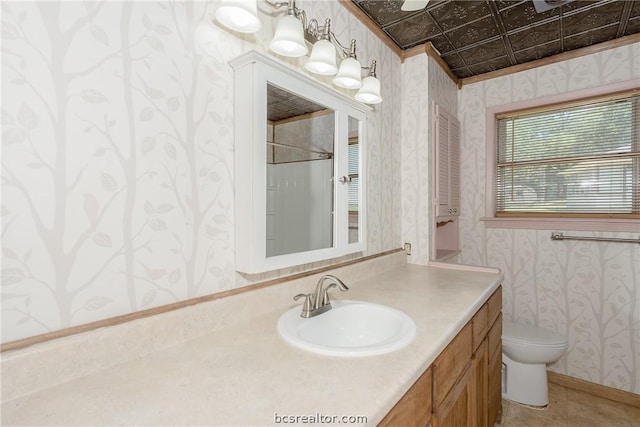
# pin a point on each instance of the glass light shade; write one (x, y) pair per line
(289, 38)
(370, 91)
(348, 75)
(323, 59)
(239, 15)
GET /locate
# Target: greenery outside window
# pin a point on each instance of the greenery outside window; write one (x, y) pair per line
(578, 159)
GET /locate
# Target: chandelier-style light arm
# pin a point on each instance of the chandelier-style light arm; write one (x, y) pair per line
(346, 52)
(314, 31)
(298, 13)
(371, 69)
(272, 8)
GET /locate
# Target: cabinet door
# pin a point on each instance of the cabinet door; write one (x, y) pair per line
(454, 166)
(495, 372)
(454, 383)
(481, 387)
(457, 408)
(442, 165)
(414, 409)
(447, 136)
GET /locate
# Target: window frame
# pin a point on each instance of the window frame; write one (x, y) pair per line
(547, 222)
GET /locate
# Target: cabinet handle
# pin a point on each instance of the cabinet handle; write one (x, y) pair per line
(449, 210)
(345, 179)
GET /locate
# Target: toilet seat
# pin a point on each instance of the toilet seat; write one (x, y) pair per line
(527, 335)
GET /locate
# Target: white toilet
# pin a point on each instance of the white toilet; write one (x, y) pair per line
(526, 350)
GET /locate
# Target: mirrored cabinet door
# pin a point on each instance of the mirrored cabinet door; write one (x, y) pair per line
(300, 154)
(299, 162)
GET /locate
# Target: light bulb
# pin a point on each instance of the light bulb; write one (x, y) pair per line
(323, 59)
(348, 75)
(370, 91)
(239, 15)
(289, 38)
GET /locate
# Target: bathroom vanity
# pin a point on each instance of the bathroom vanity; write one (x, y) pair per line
(462, 387)
(222, 362)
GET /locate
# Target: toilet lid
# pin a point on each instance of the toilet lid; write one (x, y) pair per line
(531, 335)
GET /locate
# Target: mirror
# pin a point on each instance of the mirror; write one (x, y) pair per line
(300, 145)
(299, 162)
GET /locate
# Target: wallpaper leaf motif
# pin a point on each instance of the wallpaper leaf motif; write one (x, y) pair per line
(95, 206)
(117, 172)
(585, 290)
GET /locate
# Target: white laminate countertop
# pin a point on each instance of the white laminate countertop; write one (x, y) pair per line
(246, 375)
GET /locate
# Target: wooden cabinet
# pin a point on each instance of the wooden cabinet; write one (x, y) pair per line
(495, 375)
(414, 409)
(480, 364)
(462, 388)
(467, 374)
(456, 410)
(452, 363)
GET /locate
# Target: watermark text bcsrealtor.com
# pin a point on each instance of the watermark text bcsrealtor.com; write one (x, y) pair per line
(318, 418)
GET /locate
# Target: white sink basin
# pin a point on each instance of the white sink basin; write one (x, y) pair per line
(349, 329)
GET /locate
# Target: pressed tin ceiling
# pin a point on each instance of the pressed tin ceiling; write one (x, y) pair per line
(476, 37)
(283, 105)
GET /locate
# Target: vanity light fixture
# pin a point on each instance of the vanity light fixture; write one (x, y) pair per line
(291, 37)
(323, 55)
(369, 93)
(239, 15)
(349, 75)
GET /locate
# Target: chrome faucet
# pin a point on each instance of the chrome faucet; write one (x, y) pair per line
(318, 302)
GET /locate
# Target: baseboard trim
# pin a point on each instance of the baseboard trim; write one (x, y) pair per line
(599, 390)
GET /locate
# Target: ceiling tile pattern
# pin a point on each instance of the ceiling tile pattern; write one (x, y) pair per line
(284, 105)
(476, 37)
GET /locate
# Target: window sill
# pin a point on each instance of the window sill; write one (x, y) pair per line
(577, 224)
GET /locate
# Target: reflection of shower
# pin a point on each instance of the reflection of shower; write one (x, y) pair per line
(321, 153)
(299, 208)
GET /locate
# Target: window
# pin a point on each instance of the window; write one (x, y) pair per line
(578, 159)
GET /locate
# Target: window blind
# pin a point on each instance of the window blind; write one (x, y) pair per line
(578, 159)
(353, 168)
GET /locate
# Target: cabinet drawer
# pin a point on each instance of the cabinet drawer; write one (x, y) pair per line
(495, 335)
(451, 363)
(414, 409)
(495, 305)
(480, 323)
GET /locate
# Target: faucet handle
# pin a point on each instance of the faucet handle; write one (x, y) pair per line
(306, 306)
(325, 297)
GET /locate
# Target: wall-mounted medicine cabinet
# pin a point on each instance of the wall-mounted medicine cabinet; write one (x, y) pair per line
(299, 168)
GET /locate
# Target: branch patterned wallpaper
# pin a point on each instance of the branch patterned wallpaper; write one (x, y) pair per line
(117, 174)
(117, 156)
(423, 82)
(588, 291)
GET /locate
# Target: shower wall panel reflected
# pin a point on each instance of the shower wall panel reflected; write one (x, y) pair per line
(300, 147)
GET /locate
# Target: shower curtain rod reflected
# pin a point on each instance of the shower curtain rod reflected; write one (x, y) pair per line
(561, 236)
(326, 154)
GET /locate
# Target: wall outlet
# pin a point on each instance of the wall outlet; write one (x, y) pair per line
(407, 248)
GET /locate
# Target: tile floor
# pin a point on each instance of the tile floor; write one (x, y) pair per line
(570, 408)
